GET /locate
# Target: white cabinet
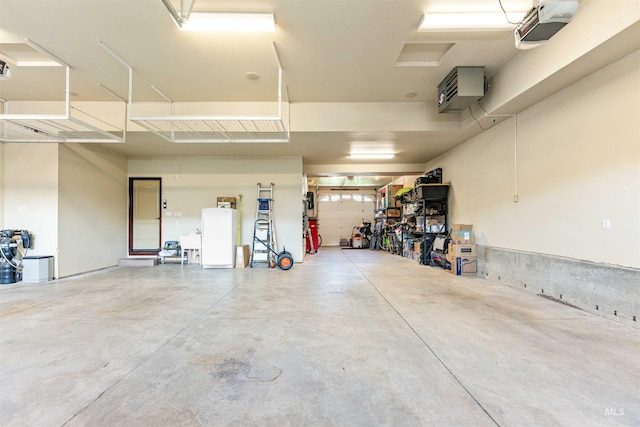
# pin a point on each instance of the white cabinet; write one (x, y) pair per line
(219, 237)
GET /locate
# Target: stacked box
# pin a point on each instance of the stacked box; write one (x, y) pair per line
(462, 259)
(393, 212)
(462, 233)
(461, 253)
(461, 249)
(462, 266)
(390, 200)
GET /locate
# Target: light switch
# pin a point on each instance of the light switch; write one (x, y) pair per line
(606, 224)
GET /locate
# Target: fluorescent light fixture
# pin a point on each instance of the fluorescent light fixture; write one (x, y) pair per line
(35, 63)
(469, 21)
(370, 156)
(230, 22)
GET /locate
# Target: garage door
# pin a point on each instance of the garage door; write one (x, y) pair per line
(339, 212)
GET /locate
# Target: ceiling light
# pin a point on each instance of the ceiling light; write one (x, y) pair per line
(230, 22)
(469, 21)
(35, 63)
(369, 156)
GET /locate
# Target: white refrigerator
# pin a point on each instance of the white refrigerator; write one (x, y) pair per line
(219, 237)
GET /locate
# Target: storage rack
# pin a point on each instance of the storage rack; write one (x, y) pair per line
(74, 125)
(430, 212)
(207, 128)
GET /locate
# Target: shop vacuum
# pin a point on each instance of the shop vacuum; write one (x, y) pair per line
(10, 254)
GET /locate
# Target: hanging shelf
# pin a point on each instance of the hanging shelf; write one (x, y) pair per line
(203, 128)
(72, 126)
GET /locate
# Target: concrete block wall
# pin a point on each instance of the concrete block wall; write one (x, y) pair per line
(607, 290)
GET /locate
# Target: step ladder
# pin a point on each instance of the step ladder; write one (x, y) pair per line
(264, 248)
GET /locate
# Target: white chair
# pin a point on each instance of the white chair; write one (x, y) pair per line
(171, 249)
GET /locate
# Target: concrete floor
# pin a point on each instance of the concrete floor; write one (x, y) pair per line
(349, 338)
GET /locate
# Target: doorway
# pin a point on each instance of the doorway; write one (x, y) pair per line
(340, 211)
(145, 220)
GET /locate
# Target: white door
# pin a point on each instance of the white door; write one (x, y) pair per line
(340, 211)
(145, 215)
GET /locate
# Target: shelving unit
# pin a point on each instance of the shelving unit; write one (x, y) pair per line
(426, 218)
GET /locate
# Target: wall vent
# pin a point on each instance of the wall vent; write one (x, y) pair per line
(462, 87)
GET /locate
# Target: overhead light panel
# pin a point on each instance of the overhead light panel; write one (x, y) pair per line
(370, 156)
(481, 21)
(230, 22)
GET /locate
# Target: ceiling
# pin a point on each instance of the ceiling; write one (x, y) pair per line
(336, 55)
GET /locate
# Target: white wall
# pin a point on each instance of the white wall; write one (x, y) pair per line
(92, 198)
(2, 186)
(31, 193)
(192, 183)
(578, 161)
(72, 198)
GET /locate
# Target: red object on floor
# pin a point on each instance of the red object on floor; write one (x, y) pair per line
(312, 236)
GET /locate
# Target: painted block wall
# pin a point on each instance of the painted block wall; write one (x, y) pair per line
(92, 199)
(190, 184)
(578, 163)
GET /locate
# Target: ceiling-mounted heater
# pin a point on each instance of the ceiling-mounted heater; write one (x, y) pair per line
(462, 87)
(543, 21)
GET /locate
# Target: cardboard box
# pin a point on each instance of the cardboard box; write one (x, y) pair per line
(226, 202)
(462, 249)
(462, 233)
(462, 265)
(243, 255)
(449, 259)
(393, 212)
(390, 201)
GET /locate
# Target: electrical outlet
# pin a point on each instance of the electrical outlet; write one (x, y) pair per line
(177, 214)
(167, 213)
(606, 224)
